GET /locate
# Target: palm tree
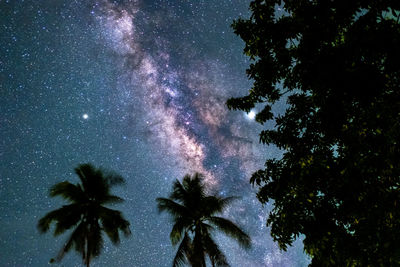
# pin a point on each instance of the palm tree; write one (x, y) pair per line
(194, 216)
(86, 213)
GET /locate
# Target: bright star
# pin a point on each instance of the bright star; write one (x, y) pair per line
(85, 116)
(251, 115)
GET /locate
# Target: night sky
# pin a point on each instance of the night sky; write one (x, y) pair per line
(138, 87)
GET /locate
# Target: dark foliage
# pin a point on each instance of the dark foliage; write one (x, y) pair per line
(86, 213)
(338, 65)
(194, 216)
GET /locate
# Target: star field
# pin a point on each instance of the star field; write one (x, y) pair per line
(138, 87)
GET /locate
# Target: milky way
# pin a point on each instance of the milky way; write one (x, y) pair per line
(183, 104)
(138, 87)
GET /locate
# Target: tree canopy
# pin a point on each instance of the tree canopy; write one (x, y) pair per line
(195, 218)
(86, 213)
(337, 64)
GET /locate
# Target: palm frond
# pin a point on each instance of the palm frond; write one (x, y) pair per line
(111, 199)
(93, 181)
(205, 227)
(84, 172)
(193, 192)
(67, 215)
(68, 191)
(113, 179)
(194, 185)
(181, 225)
(232, 230)
(183, 252)
(186, 181)
(75, 239)
(224, 202)
(217, 257)
(212, 204)
(175, 209)
(178, 191)
(113, 222)
(68, 219)
(97, 182)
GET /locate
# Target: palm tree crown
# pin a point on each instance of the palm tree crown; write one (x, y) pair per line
(86, 212)
(194, 216)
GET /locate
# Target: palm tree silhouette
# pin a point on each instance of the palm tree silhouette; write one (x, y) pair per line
(86, 212)
(193, 214)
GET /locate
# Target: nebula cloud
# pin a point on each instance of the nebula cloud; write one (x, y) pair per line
(157, 84)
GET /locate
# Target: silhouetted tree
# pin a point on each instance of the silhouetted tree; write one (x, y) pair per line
(86, 213)
(194, 216)
(337, 63)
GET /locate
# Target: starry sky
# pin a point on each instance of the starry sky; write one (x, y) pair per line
(138, 87)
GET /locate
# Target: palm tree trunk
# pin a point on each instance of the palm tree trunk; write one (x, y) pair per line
(198, 248)
(87, 252)
(87, 259)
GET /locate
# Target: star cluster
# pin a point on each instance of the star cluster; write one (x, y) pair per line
(138, 87)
